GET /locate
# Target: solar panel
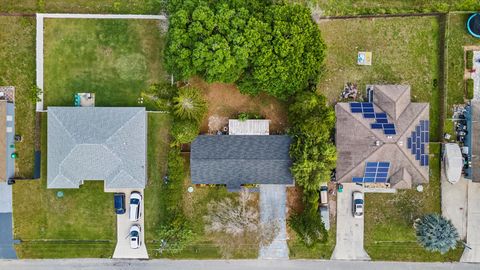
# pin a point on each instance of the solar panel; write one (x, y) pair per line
(389, 132)
(356, 110)
(355, 105)
(381, 115)
(409, 143)
(357, 179)
(382, 121)
(389, 126)
(369, 115)
(368, 110)
(384, 164)
(367, 105)
(376, 126)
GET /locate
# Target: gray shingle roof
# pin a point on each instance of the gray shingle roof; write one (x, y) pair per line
(237, 160)
(95, 143)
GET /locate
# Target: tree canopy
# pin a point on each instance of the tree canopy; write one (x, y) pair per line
(312, 150)
(260, 45)
(435, 233)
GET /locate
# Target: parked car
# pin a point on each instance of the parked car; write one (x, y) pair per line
(357, 204)
(119, 203)
(135, 206)
(135, 236)
(323, 195)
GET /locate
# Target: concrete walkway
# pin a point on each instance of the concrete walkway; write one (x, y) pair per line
(473, 225)
(7, 250)
(39, 38)
(273, 199)
(476, 75)
(349, 244)
(454, 203)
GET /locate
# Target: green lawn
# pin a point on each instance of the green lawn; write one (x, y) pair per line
(298, 250)
(389, 232)
(158, 145)
(17, 68)
(359, 7)
(405, 50)
(81, 224)
(83, 6)
(115, 59)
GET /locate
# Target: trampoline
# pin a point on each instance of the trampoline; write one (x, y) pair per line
(473, 25)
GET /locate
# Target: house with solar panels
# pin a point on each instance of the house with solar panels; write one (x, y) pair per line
(383, 142)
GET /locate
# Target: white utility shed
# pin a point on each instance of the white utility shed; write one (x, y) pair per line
(248, 127)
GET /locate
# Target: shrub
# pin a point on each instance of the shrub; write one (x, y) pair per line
(470, 89)
(189, 104)
(174, 187)
(469, 59)
(309, 227)
(175, 236)
(184, 131)
(435, 233)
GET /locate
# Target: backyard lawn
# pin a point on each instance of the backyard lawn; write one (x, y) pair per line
(17, 68)
(80, 224)
(83, 6)
(457, 38)
(115, 59)
(389, 232)
(405, 50)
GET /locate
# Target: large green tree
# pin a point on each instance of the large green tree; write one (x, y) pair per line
(312, 150)
(261, 45)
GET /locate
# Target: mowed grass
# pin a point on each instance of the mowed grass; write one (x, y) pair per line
(405, 51)
(157, 152)
(81, 224)
(389, 232)
(83, 6)
(17, 68)
(115, 59)
(457, 38)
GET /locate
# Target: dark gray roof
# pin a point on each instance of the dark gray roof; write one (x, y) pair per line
(234, 160)
(95, 143)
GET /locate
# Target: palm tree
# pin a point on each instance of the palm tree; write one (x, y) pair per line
(435, 233)
(189, 104)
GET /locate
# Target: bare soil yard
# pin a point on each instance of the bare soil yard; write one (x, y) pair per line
(225, 100)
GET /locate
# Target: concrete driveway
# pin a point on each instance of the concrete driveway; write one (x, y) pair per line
(273, 199)
(6, 223)
(454, 203)
(472, 254)
(122, 249)
(349, 229)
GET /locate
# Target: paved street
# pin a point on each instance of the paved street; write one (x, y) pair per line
(273, 199)
(105, 264)
(349, 229)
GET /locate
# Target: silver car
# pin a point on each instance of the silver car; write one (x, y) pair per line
(135, 236)
(357, 204)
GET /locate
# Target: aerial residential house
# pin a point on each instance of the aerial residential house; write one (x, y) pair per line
(247, 156)
(384, 142)
(7, 134)
(96, 143)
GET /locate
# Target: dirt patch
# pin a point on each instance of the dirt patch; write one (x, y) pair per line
(225, 101)
(294, 200)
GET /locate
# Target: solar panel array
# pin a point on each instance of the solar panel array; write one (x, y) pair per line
(375, 172)
(417, 143)
(381, 121)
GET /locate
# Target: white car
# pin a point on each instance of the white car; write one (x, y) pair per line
(135, 205)
(357, 204)
(135, 236)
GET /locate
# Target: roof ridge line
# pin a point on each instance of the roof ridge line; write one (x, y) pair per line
(361, 122)
(411, 162)
(412, 123)
(364, 160)
(124, 124)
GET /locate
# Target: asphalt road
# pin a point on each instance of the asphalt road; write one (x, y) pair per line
(107, 264)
